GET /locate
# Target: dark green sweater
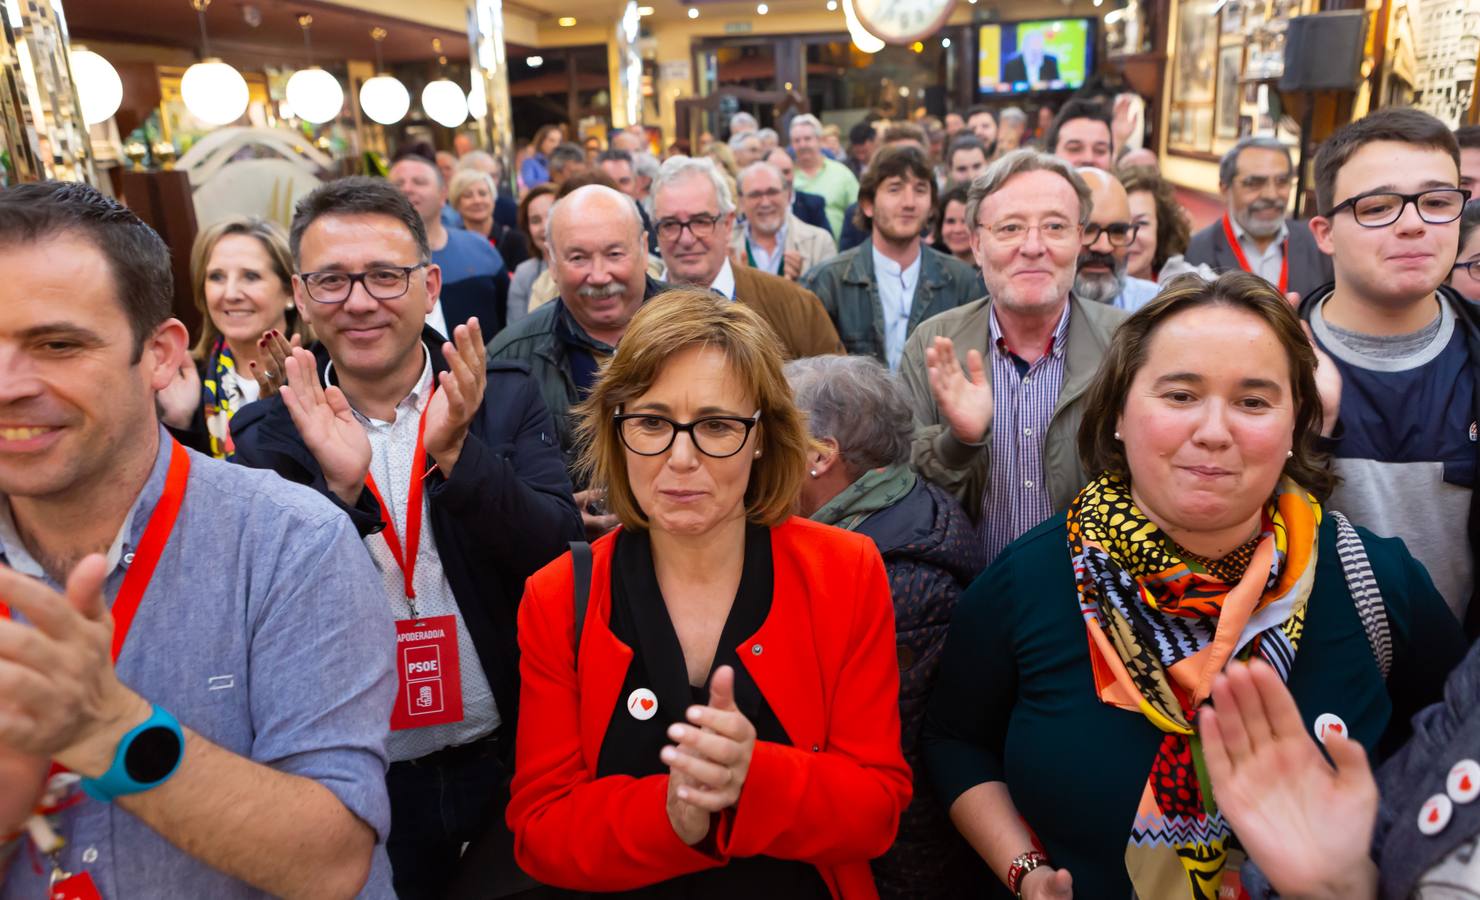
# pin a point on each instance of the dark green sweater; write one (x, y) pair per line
(1015, 699)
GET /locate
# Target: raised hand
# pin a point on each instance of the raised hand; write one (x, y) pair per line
(273, 370)
(459, 394)
(791, 264)
(713, 751)
(329, 428)
(594, 516)
(964, 402)
(61, 696)
(1307, 825)
(178, 402)
(1044, 883)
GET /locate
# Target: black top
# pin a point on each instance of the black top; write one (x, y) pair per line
(639, 619)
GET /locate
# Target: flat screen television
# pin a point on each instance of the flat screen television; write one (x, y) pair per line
(1041, 55)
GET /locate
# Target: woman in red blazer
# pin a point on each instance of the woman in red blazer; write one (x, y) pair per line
(729, 726)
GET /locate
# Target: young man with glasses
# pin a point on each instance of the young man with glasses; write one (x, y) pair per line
(695, 221)
(1254, 235)
(447, 465)
(997, 386)
(878, 292)
(1400, 348)
(1105, 248)
(772, 239)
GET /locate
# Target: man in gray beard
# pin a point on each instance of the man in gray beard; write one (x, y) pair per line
(1256, 177)
(598, 256)
(1105, 248)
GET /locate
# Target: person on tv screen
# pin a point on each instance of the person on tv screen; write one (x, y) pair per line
(1032, 64)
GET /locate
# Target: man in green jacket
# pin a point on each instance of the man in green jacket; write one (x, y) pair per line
(997, 385)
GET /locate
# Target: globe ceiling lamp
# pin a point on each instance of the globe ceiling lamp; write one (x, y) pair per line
(383, 98)
(862, 38)
(314, 94)
(213, 91)
(99, 88)
(445, 103)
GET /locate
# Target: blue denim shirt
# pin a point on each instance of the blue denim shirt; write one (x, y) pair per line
(264, 630)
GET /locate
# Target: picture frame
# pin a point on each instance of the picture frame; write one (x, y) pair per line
(1195, 69)
(1230, 66)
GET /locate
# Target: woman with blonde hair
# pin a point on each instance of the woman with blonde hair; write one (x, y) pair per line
(241, 273)
(708, 701)
(473, 195)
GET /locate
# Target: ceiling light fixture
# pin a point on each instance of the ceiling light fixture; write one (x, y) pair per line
(383, 98)
(534, 62)
(693, 12)
(99, 89)
(314, 94)
(213, 91)
(567, 21)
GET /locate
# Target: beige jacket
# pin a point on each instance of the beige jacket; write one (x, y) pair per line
(965, 469)
(813, 243)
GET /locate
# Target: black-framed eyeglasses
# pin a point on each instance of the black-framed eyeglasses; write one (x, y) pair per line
(1119, 234)
(381, 282)
(1377, 209)
(700, 226)
(649, 434)
(1469, 268)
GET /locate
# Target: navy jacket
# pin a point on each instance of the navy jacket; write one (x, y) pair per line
(812, 209)
(503, 514)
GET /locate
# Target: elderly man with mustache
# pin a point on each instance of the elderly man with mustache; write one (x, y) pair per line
(1256, 177)
(1105, 248)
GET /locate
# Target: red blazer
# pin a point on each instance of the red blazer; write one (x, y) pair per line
(828, 669)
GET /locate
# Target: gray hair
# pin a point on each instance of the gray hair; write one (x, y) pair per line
(591, 191)
(463, 179)
(764, 133)
(855, 401)
(808, 120)
(756, 167)
(477, 159)
(1016, 163)
(1012, 114)
(745, 137)
(677, 168)
(743, 119)
(645, 165)
(1228, 165)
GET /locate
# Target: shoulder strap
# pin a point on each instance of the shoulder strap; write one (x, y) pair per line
(580, 553)
(1365, 593)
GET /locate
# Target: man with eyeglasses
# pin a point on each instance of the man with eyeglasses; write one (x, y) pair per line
(1398, 349)
(475, 279)
(772, 239)
(446, 464)
(997, 386)
(695, 221)
(878, 292)
(1254, 235)
(1105, 247)
(810, 208)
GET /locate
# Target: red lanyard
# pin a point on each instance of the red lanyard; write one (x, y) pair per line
(1243, 261)
(151, 547)
(407, 559)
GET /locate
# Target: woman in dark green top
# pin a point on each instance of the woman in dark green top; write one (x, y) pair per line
(1066, 701)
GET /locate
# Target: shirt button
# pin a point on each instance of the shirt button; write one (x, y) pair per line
(128, 559)
(1028, 483)
(1027, 380)
(755, 649)
(816, 749)
(1027, 431)
(90, 855)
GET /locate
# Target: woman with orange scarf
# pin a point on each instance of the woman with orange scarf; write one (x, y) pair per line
(1062, 732)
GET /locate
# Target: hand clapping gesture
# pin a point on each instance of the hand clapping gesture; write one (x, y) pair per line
(459, 394)
(273, 371)
(1306, 824)
(333, 435)
(964, 402)
(709, 760)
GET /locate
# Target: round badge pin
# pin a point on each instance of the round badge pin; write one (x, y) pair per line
(642, 704)
(1328, 724)
(1463, 785)
(1434, 815)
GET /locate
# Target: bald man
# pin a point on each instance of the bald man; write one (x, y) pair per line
(598, 256)
(1105, 248)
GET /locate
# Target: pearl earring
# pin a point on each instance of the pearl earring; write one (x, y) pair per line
(1289, 454)
(813, 473)
(1117, 435)
(757, 454)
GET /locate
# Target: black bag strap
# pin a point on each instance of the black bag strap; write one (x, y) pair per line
(1362, 585)
(580, 555)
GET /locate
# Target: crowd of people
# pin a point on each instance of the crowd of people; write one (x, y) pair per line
(688, 528)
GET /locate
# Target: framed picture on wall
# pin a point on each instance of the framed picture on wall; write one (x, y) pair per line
(1196, 54)
(1230, 61)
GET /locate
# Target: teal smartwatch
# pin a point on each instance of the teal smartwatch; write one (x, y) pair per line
(147, 756)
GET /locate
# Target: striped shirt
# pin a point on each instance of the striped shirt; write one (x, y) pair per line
(1023, 397)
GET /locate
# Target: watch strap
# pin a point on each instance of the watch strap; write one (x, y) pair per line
(118, 781)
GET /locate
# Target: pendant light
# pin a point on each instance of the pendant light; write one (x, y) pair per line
(213, 91)
(383, 98)
(443, 100)
(314, 94)
(862, 38)
(99, 89)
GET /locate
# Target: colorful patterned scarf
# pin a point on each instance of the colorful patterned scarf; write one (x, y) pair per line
(1161, 624)
(220, 398)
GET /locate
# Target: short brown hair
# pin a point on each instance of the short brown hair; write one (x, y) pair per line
(1100, 451)
(1405, 126)
(272, 238)
(671, 322)
(905, 131)
(889, 162)
(540, 190)
(1173, 229)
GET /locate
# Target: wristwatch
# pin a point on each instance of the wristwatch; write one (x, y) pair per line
(146, 758)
